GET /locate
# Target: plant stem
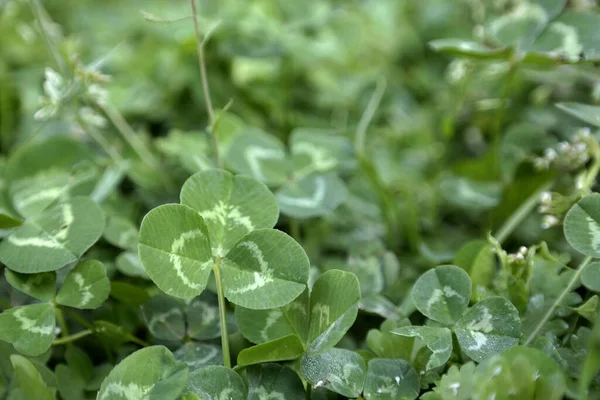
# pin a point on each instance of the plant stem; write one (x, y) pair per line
(520, 213)
(308, 391)
(64, 329)
(72, 338)
(365, 119)
(101, 141)
(38, 12)
(501, 113)
(222, 313)
(558, 301)
(295, 229)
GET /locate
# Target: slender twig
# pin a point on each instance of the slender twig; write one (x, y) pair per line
(365, 120)
(520, 214)
(568, 289)
(222, 313)
(72, 338)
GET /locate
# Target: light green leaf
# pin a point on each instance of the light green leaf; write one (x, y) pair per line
(164, 317)
(128, 263)
(216, 383)
(390, 380)
(385, 344)
(71, 385)
(339, 370)
(319, 150)
(590, 277)
(29, 379)
(86, 286)
(585, 112)
(488, 328)
(129, 294)
(443, 293)
(203, 317)
(274, 382)
(471, 195)
(79, 362)
(199, 355)
(261, 326)
(29, 328)
(175, 250)
(231, 206)
(468, 48)
(478, 259)
(437, 340)
(260, 155)
(582, 225)
(379, 305)
(282, 349)
(516, 27)
(161, 377)
(312, 196)
(41, 286)
(55, 238)
(266, 269)
(121, 233)
(333, 309)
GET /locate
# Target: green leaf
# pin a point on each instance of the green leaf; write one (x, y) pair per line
(203, 317)
(590, 277)
(29, 379)
(29, 328)
(319, 150)
(78, 361)
(282, 349)
(215, 383)
(128, 294)
(470, 194)
(260, 155)
(121, 233)
(488, 328)
(199, 355)
(162, 377)
(266, 269)
(339, 370)
(333, 309)
(231, 206)
(71, 385)
(274, 381)
(391, 379)
(41, 286)
(469, 48)
(312, 196)
(86, 286)
(582, 225)
(385, 344)
(128, 263)
(437, 340)
(457, 384)
(164, 316)
(585, 112)
(442, 293)
(55, 238)
(478, 259)
(175, 250)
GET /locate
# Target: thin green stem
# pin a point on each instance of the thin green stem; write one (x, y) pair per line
(308, 391)
(72, 338)
(592, 174)
(137, 340)
(60, 317)
(101, 141)
(295, 229)
(568, 289)
(222, 313)
(502, 112)
(365, 119)
(39, 12)
(520, 213)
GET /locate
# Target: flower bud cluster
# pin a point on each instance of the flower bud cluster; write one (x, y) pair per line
(567, 155)
(519, 256)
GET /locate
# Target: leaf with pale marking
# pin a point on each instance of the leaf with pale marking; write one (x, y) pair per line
(164, 316)
(590, 277)
(261, 326)
(231, 206)
(215, 383)
(582, 225)
(385, 344)
(274, 381)
(339, 370)
(40, 173)
(488, 328)
(149, 373)
(29, 328)
(319, 150)
(333, 308)
(260, 155)
(389, 379)
(128, 263)
(174, 248)
(54, 238)
(282, 349)
(266, 269)
(121, 233)
(203, 317)
(199, 355)
(86, 286)
(469, 48)
(41, 286)
(312, 196)
(437, 340)
(29, 379)
(443, 293)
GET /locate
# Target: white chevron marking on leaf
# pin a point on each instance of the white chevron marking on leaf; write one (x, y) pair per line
(176, 259)
(29, 325)
(260, 278)
(307, 202)
(225, 212)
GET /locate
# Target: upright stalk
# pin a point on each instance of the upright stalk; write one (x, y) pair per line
(222, 313)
